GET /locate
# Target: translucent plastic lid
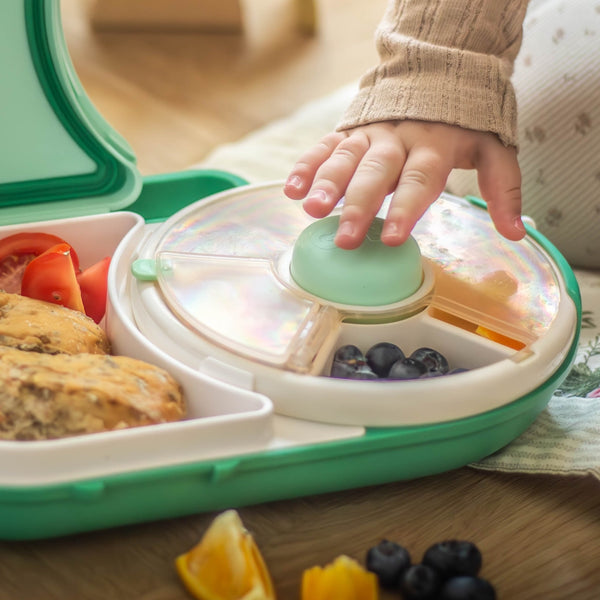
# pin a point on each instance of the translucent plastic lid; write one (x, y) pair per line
(223, 268)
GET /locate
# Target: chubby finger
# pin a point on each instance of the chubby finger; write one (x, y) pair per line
(421, 183)
(334, 175)
(499, 178)
(376, 176)
(303, 172)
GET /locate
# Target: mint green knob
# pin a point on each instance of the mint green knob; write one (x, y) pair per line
(371, 275)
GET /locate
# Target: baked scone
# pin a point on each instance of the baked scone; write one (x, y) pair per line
(49, 396)
(38, 326)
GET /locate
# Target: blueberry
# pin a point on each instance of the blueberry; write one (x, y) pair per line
(341, 369)
(350, 363)
(420, 582)
(432, 359)
(465, 587)
(453, 557)
(382, 356)
(407, 368)
(349, 354)
(388, 561)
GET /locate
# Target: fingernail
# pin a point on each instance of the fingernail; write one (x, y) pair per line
(390, 229)
(518, 223)
(318, 196)
(294, 181)
(392, 234)
(346, 228)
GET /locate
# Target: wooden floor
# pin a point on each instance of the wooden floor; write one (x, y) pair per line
(175, 97)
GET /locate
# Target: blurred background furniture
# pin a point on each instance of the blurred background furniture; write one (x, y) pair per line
(181, 15)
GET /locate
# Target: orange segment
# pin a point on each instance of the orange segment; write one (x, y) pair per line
(343, 579)
(226, 564)
(499, 338)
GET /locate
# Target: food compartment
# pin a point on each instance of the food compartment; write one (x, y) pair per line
(93, 237)
(462, 349)
(392, 403)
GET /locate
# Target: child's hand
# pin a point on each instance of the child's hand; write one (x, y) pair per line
(412, 159)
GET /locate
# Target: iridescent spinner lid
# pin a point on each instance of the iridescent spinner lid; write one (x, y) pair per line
(221, 267)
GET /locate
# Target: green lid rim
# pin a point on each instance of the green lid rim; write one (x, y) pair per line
(110, 173)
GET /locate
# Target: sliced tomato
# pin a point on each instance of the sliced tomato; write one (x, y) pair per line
(93, 285)
(32, 243)
(18, 250)
(51, 277)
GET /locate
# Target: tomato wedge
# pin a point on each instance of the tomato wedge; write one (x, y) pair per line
(51, 277)
(93, 283)
(18, 250)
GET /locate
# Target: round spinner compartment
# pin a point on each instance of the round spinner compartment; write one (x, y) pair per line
(213, 289)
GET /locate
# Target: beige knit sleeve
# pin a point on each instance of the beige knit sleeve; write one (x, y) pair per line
(444, 60)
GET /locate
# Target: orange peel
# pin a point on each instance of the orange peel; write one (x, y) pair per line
(226, 564)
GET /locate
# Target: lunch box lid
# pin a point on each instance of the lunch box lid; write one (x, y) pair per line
(58, 156)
